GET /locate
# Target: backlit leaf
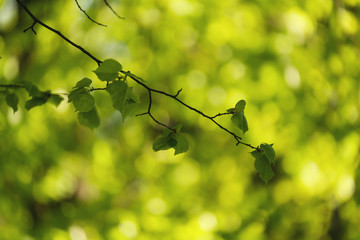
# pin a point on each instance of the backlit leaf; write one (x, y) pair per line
(108, 70)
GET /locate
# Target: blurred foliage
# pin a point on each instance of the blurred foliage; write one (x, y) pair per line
(295, 62)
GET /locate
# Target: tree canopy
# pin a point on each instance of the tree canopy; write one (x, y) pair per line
(127, 79)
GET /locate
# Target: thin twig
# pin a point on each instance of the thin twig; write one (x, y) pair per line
(221, 114)
(36, 20)
(77, 3)
(109, 6)
(31, 27)
(178, 92)
(96, 89)
(152, 117)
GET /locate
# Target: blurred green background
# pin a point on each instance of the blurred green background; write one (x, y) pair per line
(296, 63)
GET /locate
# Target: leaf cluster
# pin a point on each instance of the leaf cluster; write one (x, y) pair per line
(37, 97)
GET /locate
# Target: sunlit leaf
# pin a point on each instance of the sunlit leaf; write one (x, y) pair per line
(108, 70)
(12, 100)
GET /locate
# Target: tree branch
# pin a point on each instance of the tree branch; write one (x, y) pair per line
(149, 89)
(36, 20)
(77, 3)
(109, 6)
(221, 114)
(175, 97)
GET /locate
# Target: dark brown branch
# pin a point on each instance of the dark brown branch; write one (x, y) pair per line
(77, 3)
(109, 6)
(36, 20)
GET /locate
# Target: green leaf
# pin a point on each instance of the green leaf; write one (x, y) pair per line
(269, 152)
(108, 70)
(81, 98)
(12, 100)
(262, 165)
(164, 143)
(239, 120)
(35, 101)
(85, 82)
(118, 92)
(167, 132)
(240, 105)
(182, 144)
(73, 93)
(83, 102)
(55, 99)
(32, 89)
(89, 119)
(256, 153)
(231, 110)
